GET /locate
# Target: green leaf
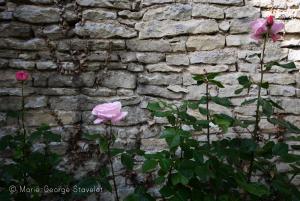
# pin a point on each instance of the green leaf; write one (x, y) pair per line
(217, 83)
(203, 111)
(274, 104)
(149, 165)
(257, 189)
(221, 101)
(244, 80)
(238, 91)
(267, 108)
(265, 85)
(127, 161)
(52, 137)
(153, 106)
(280, 149)
(290, 65)
(247, 102)
(203, 100)
(211, 76)
(223, 121)
(116, 151)
(174, 142)
(178, 178)
(165, 164)
(199, 77)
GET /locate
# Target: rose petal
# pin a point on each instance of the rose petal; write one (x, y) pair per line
(277, 27)
(98, 121)
(119, 117)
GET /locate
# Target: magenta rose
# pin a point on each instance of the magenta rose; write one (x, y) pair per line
(108, 112)
(262, 27)
(22, 75)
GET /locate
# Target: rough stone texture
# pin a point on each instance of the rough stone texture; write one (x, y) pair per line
(172, 12)
(135, 52)
(156, 29)
(104, 30)
(209, 11)
(37, 14)
(205, 42)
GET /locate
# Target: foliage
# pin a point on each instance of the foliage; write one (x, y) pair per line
(224, 169)
(31, 168)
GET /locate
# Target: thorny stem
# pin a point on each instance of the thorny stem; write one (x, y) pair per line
(257, 113)
(109, 138)
(207, 115)
(24, 130)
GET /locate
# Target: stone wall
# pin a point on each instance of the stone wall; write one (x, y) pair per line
(81, 53)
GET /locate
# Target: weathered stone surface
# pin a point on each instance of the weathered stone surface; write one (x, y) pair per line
(239, 40)
(118, 79)
(135, 116)
(95, 44)
(37, 14)
(106, 29)
(10, 103)
(15, 29)
(226, 56)
(209, 11)
(291, 105)
(273, 52)
(32, 44)
(224, 26)
(159, 79)
(4, 15)
(205, 42)
(98, 14)
(225, 2)
(157, 91)
(162, 67)
(121, 4)
(228, 91)
(46, 65)
(196, 92)
(55, 91)
(178, 60)
(277, 78)
(293, 26)
(150, 58)
(278, 90)
(156, 29)
(82, 80)
(99, 91)
(177, 88)
(243, 12)
(66, 103)
(152, 2)
(207, 68)
(21, 64)
(52, 32)
(169, 12)
(36, 102)
(240, 25)
(247, 67)
(148, 45)
(294, 55)
(135, 67)
(131, 15)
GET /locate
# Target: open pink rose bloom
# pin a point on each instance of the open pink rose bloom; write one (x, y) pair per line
(22, 75)
(108, 112)
(261, 27)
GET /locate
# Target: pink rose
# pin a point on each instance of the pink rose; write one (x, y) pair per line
(261, 27)
(108, 112)
(22, 75)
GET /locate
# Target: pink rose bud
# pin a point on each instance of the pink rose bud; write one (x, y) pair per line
(108, 112)
(266, 27)
(22, 75)
(270, 20)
